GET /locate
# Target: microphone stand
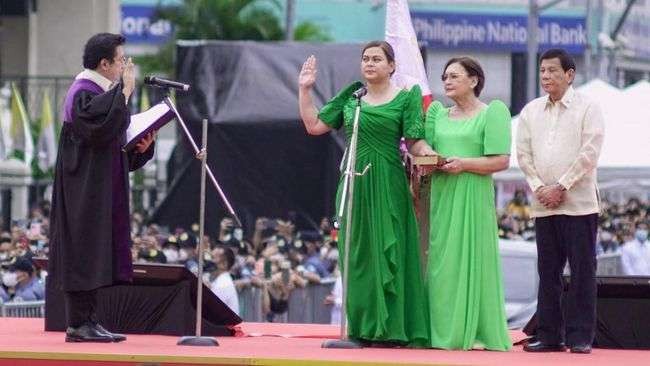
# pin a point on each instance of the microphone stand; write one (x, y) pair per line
(167, 100)
(198, 340)
(202, 155)
(347, 199)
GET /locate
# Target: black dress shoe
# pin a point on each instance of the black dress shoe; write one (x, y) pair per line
(116, 336)
(581, 348)
(87, 332)
(538, 346)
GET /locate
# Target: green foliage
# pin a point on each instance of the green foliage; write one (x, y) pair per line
(224, 20)
(308, 31)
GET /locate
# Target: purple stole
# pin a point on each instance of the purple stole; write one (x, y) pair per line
(77, 85)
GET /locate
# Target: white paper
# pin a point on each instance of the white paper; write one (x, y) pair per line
(141, 121)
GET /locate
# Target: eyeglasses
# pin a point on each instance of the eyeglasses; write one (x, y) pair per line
(123, 59)
(451, 76)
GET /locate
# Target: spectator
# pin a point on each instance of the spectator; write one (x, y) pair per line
(335, 300)
(277, 288)
(6, 248)
(635, 254)
(285, 235)
(21, 283)
(222, 284)
(607, 243)
(314, 263)
(150, 250)
(187, 254)
(171, 249)
(226, 231)
(325, 229)
(519, 207)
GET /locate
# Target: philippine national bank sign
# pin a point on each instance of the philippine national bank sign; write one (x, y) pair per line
(477, 31)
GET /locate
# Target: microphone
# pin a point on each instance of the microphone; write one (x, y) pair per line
(164, 83)
(360, 92)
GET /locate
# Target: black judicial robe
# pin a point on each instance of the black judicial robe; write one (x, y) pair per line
(90, 234)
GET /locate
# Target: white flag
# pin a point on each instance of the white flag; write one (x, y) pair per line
(401, 36)
(46, 141)
(21, 133)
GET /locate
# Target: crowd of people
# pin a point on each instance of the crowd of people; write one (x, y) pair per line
(620, 226)
(274, 257)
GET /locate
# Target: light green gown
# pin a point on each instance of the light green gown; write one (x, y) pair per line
(463, 277)
(386, 299)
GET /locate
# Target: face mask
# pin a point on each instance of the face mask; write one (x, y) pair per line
(641, 235)
(238, 234)
(606, 236)
(10, 279)
(171, 255)
(182, 255)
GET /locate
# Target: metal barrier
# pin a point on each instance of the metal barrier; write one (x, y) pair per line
(23, 309)
(306, 305)
(609, 265)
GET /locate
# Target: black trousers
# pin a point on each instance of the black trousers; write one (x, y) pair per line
(80, 307)
(559, 238)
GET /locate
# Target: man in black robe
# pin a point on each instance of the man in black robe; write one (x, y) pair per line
(90, 240)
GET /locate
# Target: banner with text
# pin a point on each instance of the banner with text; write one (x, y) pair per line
(140, 26)
(497, 32)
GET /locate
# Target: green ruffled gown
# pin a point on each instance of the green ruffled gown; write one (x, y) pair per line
(386, 298)
(463, 277)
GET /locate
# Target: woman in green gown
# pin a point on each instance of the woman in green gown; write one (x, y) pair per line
(386, 301)
(463, 280)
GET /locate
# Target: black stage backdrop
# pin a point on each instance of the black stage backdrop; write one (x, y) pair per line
(257, 146)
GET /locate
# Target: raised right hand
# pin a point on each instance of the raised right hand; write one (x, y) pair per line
(307, 76)
(128, 78)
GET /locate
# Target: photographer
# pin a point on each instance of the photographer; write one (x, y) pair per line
(280, 280)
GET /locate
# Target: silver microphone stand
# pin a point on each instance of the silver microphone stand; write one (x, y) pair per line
(198, 340)
(347, 199)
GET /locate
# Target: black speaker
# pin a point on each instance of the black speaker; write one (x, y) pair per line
(161, 300)
(621, 312)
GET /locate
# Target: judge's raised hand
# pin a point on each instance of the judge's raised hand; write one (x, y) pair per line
(144, 144)
(307, 76)
(128, 78)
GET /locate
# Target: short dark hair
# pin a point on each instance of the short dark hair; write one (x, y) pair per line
(566, 60)
(473, 68)
(99, 46)
(229, 255)
(385, 46)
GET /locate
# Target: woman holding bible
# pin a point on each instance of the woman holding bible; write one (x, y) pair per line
(463, 277)
(386, 303)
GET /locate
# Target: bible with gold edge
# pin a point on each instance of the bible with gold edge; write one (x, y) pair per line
(418, 183)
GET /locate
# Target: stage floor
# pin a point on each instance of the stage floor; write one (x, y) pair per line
(23, 342)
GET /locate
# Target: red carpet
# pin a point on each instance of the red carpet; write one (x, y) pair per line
(23, 342)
